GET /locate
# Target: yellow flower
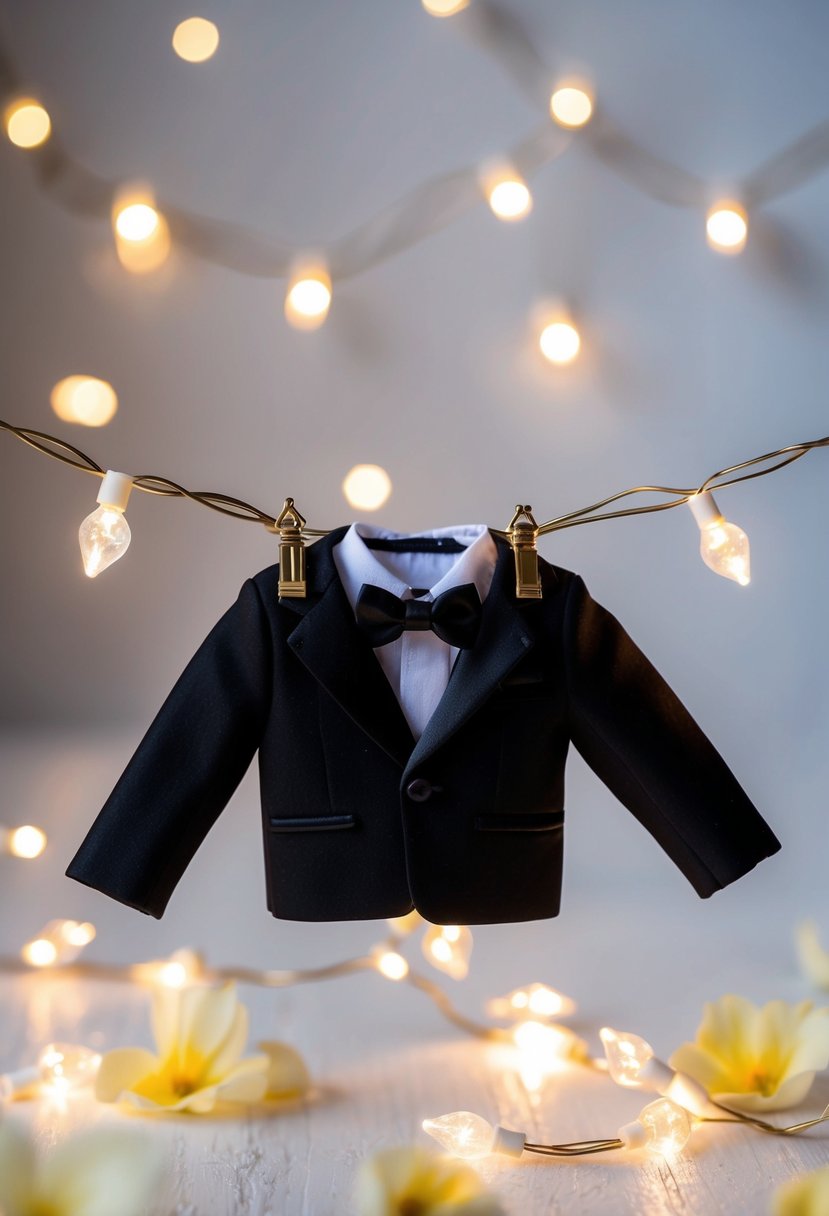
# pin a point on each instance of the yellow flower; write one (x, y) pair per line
(757, 1059)
(414, 1182)
(98, 1173)
(200, 1034)
(287, 1075)
(805, 1196)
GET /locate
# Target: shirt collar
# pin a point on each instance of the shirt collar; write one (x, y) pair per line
(357, 564)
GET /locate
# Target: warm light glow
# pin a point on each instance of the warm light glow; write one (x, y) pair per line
(142, 237)
(723, 546)
(40, 953)
(26, 841)
(537, 999)
(76, 933)
(508, 195)
(27, 123)
(402, 926)
(448, 947)
(662, 1126)
(137, 222)
(462, 1133)
(85, 400)
(104, 536)
(627, 1055)
(183, 967)
(392, 965)
(64, 1066)
(571, 105)
(195, 39)
(367, 487)
(560, 342)
(726, 227)
(544, 1043)
(308, 297)
(444, 8)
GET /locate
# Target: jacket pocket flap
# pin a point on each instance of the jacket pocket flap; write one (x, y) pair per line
(319, 823)
(542, 821)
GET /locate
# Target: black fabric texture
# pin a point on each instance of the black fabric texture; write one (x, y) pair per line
(480, 838)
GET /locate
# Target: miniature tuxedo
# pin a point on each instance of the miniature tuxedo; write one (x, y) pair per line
(360, 819)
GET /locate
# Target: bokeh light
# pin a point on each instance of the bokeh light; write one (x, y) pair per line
(84, 400)
(367, 487)
(27, 123)
(195, 39)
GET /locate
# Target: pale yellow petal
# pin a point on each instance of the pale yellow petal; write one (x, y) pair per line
(288, 1075)
(703, 1067)
(121, 1069)
(211, 1018)
(17, 1169)
(804, 1196)
(814, 960)
(229, 1053)
(412, 1179)
(103, 1172)
(164, 1017)
(247, 1082)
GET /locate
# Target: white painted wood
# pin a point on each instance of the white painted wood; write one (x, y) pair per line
(634, 946)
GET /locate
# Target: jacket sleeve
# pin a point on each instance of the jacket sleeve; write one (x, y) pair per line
(186, 767)
(644, 745)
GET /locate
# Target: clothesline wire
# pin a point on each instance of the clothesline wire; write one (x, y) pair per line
(154, 483)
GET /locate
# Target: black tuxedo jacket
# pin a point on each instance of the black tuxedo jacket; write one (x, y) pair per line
(466, 825)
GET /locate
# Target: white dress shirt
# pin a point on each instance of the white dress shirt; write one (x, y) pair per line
(418, 663)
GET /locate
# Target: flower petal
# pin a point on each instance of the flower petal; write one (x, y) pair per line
(804, 1196)
(813, 959)
(17, 1169)
(247, 1082)
(212, 1017)
(121, 1069)
(229, 1053)
(103, 1172)
(288, 1075)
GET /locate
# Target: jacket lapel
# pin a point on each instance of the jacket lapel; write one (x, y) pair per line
(327, 641)
(503, 640)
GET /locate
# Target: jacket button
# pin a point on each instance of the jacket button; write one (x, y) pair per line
(419, 790)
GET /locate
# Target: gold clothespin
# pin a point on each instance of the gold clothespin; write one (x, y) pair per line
(289, 524)
(523, 533)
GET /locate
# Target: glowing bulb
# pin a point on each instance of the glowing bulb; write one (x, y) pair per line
(662, 1127)
(64, 1066)
(465, 1134)
(105, 534)
(75, 933)
(444, 8)
(448, 947)
(40, 953)
(309, 294)
(195, 39)
(85, 400)
(726, 227)
(571, 104)
(402, 926)
(560, 342)
(545, 1043)
(367, 487)
(392, 965)
(142, 236)
(627, 1055)
(183, 967)
(506, 191)
(537, 999)
(26, 841)
(27, 123)
(723, 546)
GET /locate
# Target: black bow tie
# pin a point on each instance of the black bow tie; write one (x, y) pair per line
(455, 615)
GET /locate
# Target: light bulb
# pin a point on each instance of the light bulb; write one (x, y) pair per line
(662, 1127)
(627, 1057)
(448, 948)
(465, 1134)
(571, 104)
(506, 191)
(195, 39)
(723, 546)
(391, 964)
(537, 999)
(546, 1045)
(726, 226)
(61, 941)
(308, 297)
(27, 123)
(27, 841)
(183, 967)
(105, 534)
(60, 1067)
(560, 342)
